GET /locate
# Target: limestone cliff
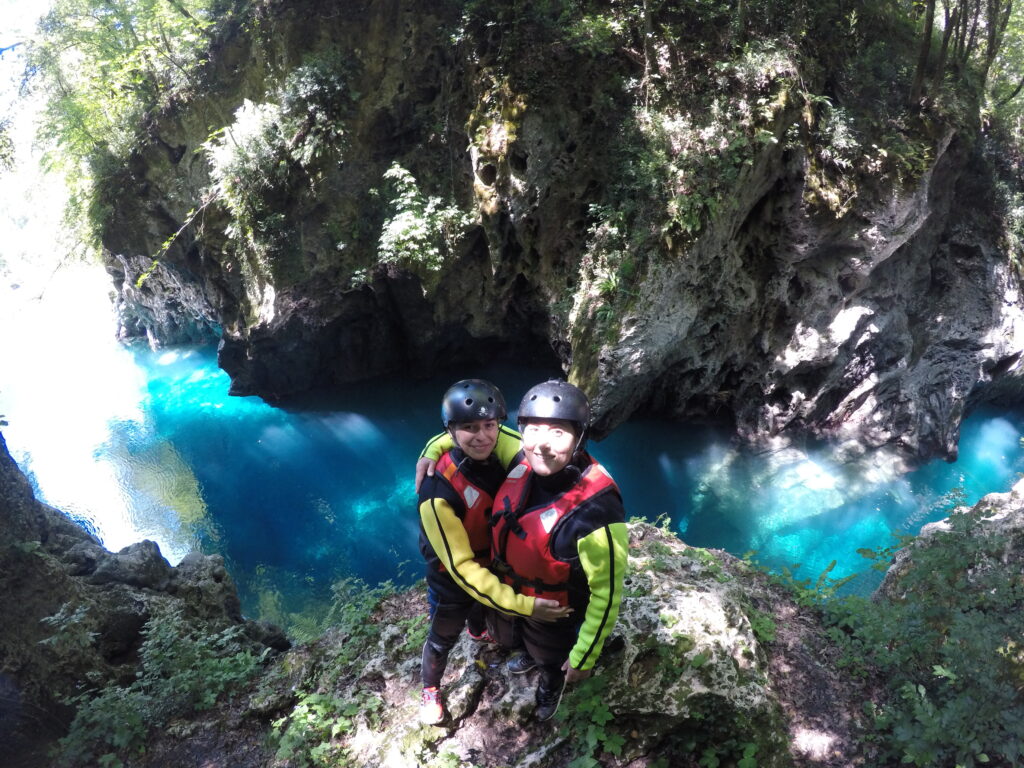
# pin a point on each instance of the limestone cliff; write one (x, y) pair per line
(74, 613)
(688, 226)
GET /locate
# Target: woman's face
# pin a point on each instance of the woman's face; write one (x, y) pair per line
(548, 444)
(476, 438)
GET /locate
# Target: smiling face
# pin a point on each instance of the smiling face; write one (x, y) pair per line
(476, 438)
(548, 444)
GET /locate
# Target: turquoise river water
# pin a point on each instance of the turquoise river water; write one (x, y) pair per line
(142, 444)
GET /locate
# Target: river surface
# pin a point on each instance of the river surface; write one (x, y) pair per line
(136, 444)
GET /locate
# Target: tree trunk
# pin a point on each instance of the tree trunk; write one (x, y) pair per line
(917, 88)
(998, 18)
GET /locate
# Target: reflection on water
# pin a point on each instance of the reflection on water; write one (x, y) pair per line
(78, 425)
(793, 507)
(141, 444)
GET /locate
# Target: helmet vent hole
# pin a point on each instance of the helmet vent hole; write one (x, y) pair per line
(469, 401)
(557, 399)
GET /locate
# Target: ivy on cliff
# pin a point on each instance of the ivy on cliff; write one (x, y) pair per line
(275, 153)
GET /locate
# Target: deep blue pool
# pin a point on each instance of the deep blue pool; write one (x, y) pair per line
(142, 444)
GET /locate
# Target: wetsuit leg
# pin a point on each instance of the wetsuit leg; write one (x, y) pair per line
(504, 630)
(549, 646)
(477, 619)
(445, 627)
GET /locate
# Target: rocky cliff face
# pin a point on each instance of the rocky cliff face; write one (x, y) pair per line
(688, 247)
(708, 659)
(711, 660)
(74, 613)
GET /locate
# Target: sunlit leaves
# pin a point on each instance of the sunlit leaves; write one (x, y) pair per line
(103, 63)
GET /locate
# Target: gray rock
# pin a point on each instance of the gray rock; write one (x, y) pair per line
(139, 565)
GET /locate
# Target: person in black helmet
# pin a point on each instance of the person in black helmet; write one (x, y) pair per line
(558, 532)
(455, 507)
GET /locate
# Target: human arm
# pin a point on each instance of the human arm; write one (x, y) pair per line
(507, 447)
(603, 555)
(450, 542)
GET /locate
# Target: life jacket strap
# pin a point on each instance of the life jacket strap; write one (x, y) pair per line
(502, 568)
(511, 520)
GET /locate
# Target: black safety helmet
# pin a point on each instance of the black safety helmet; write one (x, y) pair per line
(471, 400)
(557, 399)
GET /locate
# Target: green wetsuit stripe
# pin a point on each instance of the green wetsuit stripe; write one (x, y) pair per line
(598, 640)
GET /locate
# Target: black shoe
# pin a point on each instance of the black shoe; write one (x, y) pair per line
(521, 663)
(548, 701)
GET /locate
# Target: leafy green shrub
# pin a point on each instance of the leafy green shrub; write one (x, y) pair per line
(587, 722)
(183, 669)
(329, 708)
(948, 646)
(266, 162)
(421, 232)
(310, 734)
(101, 65)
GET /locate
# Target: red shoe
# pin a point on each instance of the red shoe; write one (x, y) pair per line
(483, 637)
(431, 707)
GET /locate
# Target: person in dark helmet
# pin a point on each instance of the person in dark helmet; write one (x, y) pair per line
(558, 532)
(455, 508)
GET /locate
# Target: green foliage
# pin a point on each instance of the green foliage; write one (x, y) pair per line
(421, 232)
(101, 66)
(415, 630)
(6, 145)
(73, 631)
(762, 625)
(948, 647)
(269, 160)
(183, 669)
(310, 735)
(824, 588)
(330, 707)
(102, 63)
(589, 723)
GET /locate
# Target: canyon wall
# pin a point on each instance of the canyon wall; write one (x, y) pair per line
(390, 189)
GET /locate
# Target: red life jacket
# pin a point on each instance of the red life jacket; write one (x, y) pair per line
(475, 511)
(521, 539)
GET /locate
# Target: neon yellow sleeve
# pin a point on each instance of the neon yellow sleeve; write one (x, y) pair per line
(437, 446)
(450, 541)
(603, 554)
(508, 445)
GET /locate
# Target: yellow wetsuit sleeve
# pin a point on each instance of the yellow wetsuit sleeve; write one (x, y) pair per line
(450, 541)
(603, 554)
(437, 446)
(508, 445)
